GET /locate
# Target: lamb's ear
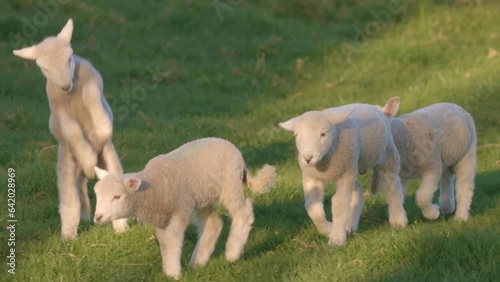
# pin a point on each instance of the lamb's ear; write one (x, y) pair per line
(336, 117)
(66, 32)
(391, 107)
(29, 53)
(101, 173)
(288, 125)
(132, 183)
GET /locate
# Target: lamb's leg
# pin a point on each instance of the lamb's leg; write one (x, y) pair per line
(426, 190)
(314, 193)
(81, 149)
(84, 198)
(110, 158)
(209, 227)
(466, 170)
(113, 165)
(355, 208)
(447, 192)
(69, 200)
(393, 192)
(242, 218)
(340, 208)
(171, 239)
(101, 121)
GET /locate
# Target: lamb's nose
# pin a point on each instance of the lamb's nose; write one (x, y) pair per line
(97, 218)
(308, 158)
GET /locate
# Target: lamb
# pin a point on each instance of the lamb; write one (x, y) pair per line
(338, 144)
(80, 120)
(436, 143)
(190, 179)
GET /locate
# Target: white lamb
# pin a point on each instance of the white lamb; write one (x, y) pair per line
(436, 143)
(337, 145)
(190, 179)
(81, 121)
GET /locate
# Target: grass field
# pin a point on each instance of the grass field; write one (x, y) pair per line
(234, 69)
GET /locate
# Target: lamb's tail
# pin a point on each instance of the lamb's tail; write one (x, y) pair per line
(262, 181)
(375, 182)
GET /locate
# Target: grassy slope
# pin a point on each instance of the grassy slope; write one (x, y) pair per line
(207, 86)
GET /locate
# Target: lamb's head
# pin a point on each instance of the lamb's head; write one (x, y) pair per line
(113, 193)
(54, 56)
(314, 133)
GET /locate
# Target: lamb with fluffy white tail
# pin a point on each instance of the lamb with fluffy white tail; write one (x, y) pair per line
(338, 144)
(190, 179)
(81, 121)
(436, 143)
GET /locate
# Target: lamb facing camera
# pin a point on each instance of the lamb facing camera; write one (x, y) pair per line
(337, 145)
(190, 179)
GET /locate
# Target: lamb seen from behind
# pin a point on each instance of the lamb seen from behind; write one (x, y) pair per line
(190, 179)
(338, 144)
(437, 143)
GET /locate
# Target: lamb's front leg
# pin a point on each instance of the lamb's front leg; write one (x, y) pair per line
(69, 199)
(171, 239)
(340, 208)
(314, 193)
(80, 148)
(101, 116)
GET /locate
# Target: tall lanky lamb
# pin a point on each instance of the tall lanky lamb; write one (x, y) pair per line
(81, 121)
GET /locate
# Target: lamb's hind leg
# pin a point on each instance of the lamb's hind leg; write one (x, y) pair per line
(171, 239)
(466, 170)
(242, 218)
(314, 193)
(355, 208)
(394, 196)
(69, 200)
(84, 198)
(111, 162)
(209, 227)
(447, 192)
(426, 190)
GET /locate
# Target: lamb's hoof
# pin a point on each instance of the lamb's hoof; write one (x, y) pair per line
(120, 225)
(431, 212)
(325, 229)
(461, 217)
(232, 256)
(399, 221)
(447, 208)
(337, 239)
(69, 235)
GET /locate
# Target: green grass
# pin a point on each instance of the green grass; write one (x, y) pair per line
(207, 85)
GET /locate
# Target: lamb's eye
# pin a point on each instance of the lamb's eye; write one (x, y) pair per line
(323, 134)
(117, 197)
(69, 61)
